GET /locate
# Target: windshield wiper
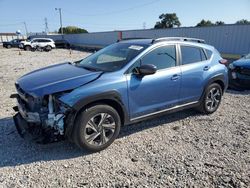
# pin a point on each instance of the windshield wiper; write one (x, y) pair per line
(72, 63)
(90, 68)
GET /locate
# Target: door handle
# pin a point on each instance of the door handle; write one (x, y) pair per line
(206, 68)
(175, 77)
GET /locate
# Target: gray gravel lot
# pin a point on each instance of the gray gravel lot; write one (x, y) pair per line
(183, 149)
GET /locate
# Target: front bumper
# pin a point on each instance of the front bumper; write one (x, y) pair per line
(238, 80)
(31, 117)
(21, 124)
(34, 132)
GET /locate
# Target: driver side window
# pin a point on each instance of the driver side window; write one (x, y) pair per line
(162, 57)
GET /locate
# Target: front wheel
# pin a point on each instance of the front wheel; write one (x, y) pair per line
(211, 99)
(96, 127)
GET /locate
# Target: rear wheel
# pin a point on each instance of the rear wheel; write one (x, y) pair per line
(8, 46)
(48, 48)
(96, 127)
(211, 99)
(27, 48)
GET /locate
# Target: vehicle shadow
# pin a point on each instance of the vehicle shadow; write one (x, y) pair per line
(238, 92)
(15, 150)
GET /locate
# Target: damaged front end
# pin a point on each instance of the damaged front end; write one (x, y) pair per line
(42, 117)
(239, 76)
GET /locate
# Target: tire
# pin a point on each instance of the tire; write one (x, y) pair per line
(88, 134)
(8, 46)
(27, 48)
(211, 99)
(48, 48)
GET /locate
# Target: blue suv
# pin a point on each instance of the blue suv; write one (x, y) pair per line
(87, 101)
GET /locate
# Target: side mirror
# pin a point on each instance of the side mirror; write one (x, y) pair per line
(145, 70)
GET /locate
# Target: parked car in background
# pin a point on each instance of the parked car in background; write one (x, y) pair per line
(62, 44)
(44, 43)
(12, 43)
(239, 73)
(132, 80)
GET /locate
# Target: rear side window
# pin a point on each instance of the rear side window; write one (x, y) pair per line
(192, 55)
(162, 57)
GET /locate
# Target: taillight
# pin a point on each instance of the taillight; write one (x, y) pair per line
(223, 62)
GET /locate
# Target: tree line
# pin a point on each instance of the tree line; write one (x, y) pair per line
(72, 30)
(170, 20)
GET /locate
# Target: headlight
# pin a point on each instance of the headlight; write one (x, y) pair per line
(234, 75)
(231, 66)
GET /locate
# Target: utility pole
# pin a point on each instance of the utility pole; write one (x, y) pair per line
(60, 12)
(46, 25)
(25, 26)
(144, 25)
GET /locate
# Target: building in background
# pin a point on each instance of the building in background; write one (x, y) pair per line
(5, 37)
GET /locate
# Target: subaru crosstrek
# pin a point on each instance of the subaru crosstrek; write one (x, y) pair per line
(87, 101)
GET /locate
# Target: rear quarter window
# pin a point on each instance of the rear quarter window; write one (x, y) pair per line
(191, 54)
(209, 53)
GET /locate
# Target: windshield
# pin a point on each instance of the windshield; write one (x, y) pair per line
(246, 56)
(112, 58)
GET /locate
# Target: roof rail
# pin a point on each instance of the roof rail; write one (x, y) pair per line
(178, 39)
(137, 38)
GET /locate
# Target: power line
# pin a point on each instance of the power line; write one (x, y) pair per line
(19, 23)
(116, 11)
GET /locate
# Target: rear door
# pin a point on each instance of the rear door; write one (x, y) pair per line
(153, 93)
(42, 42)
(194, 69)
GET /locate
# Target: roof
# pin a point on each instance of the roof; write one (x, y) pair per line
(182, 40)
(137, 41)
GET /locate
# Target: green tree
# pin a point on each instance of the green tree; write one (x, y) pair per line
(219, 23)
(167, 21)
(72, 30)
(204, 23)
(243, 21)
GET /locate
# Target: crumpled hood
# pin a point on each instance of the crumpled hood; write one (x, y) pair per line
(245, 63)
(55, 78)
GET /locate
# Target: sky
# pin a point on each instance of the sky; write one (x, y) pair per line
(109, 15)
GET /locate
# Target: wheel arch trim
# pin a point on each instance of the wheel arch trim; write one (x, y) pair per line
(113, 96)
(217, 78)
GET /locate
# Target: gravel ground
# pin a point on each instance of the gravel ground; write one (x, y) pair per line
(184, 149)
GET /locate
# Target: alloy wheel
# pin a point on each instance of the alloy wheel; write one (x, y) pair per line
(99, 129)
(213, 99)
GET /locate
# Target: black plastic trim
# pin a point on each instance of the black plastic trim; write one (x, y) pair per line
(215, 78)
(110, 95)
